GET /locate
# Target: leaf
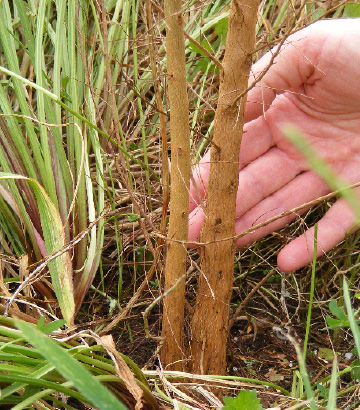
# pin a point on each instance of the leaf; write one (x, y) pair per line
(197, 50)
(61, 267)
(337, 311)
(336, 323)
(355, 369)
(324, 392)
(70, 368)
(41, 322)
(245, 400)
(326, 354)
(52, 326)
(221, 29)
(122, 369)
(352, 10)
(132, 217)
(274, 376)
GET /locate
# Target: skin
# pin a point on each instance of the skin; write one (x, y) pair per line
(314, 85)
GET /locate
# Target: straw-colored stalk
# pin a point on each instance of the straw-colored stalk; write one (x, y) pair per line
(173, 317)
(211, 316)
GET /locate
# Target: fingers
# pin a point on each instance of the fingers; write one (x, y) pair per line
(196, 219)
(257, 181)
(263, 177)
(199, 181)
(290, 70)
(332, 229)
(256, 140)
(304, 188)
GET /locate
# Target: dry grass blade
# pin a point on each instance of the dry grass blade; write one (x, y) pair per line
(84, 113)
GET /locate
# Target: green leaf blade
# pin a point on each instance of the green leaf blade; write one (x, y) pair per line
(245, 400)
(71, 369)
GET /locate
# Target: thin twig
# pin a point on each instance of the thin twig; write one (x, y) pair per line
(248, 297)
(152, 305)
(206, 52)
(120, 316)
(270, 220)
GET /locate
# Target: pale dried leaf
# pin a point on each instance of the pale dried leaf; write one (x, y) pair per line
(122, 369)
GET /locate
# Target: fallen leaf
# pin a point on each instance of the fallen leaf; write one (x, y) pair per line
(273, 376)
(123, 370)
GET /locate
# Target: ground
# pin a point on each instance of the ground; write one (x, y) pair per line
(262, 340)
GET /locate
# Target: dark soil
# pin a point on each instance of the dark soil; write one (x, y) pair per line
(259, 346)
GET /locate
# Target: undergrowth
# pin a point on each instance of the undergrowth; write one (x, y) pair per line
(81, 216)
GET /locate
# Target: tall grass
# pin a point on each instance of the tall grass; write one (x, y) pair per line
(76, 94)
(49, 373)
(70, 70)
(48, 46)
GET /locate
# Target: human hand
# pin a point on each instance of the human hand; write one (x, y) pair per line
(314, 84)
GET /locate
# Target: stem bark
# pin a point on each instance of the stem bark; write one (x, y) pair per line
(210, 323)
(172, 353)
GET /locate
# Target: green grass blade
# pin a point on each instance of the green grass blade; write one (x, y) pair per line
(134, 17)
(54, 237)
(96, 238)
(77, 115)
(305, 377)
(322, 168)
(74, 138)
(14, 387)
(62, 388)
(71, 369)
(14, 199)
(53, 231)
(312, 290)
(39, 68)
(353, 324)
(23, 10)
(9, 50)
(332, 388)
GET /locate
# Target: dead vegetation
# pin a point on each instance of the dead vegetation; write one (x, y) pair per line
(131, 273)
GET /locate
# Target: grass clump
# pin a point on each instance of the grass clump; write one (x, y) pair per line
(81, 204)
(50, 374)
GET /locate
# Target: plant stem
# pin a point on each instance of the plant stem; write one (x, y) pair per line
(312, 290)
(173, 316)
(208, 345)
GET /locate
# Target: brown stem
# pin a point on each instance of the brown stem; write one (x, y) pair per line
(172, 353)
(210, 323)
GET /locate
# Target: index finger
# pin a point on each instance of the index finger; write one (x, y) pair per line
(256, 141)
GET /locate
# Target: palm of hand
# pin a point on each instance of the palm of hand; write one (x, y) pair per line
(314, 85)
